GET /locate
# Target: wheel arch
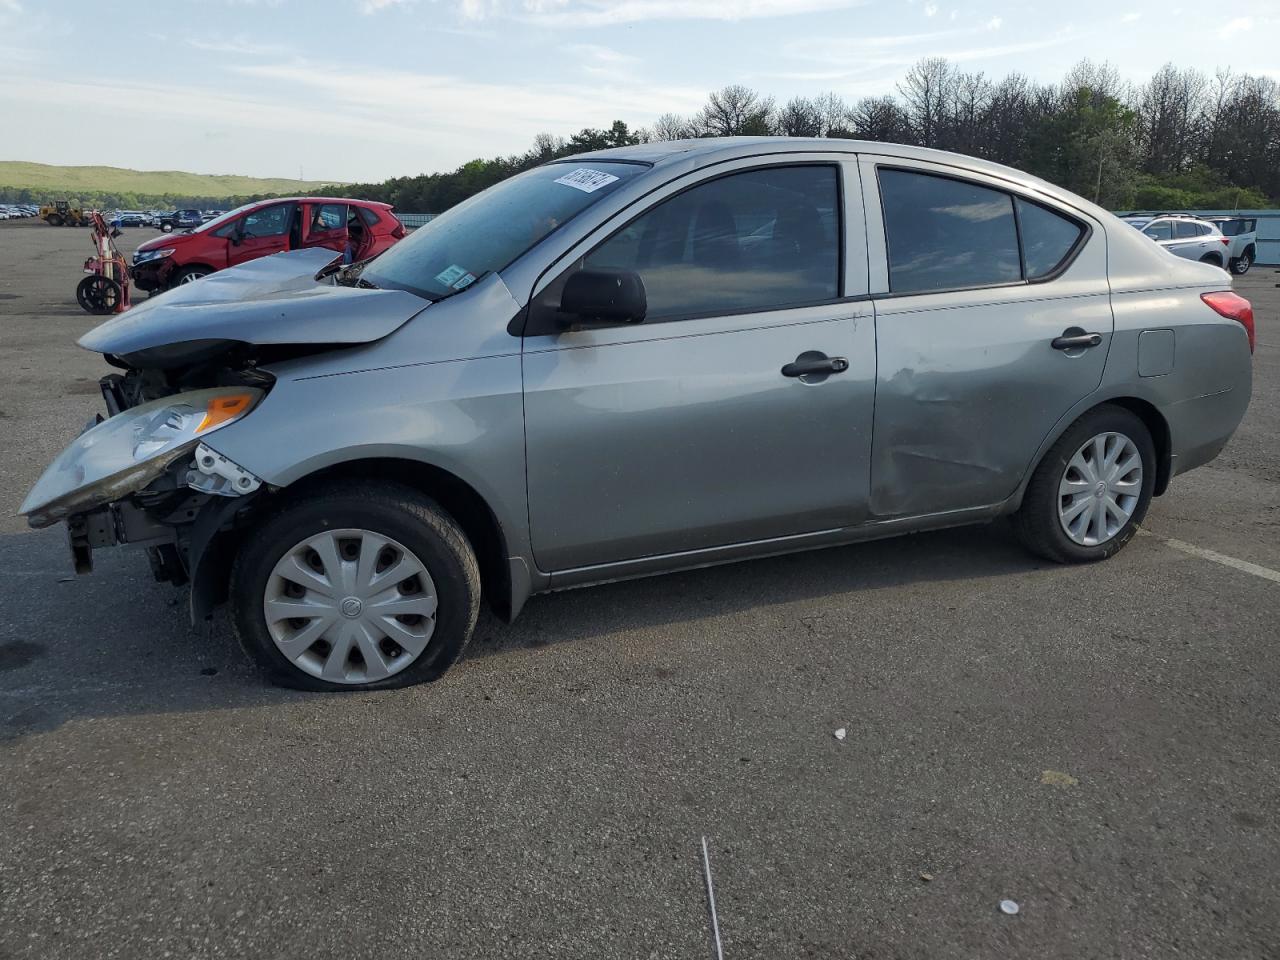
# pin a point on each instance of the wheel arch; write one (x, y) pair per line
(504, 581)
(1144, 410)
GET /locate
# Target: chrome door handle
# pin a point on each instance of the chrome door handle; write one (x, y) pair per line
(1074, 338)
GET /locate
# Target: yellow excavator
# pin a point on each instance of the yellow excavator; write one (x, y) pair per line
(62, 213)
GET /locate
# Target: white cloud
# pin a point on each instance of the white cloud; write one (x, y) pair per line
(1238, 25)
(930, 9)
(597, 13)
(1130, 17)
(374, 6)
(10, 6)
(905, 49)
(241, 46)
(994, 23)
(953, 15)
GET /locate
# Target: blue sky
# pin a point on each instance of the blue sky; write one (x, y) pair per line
(367, 89)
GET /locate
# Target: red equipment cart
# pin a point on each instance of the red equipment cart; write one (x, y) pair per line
(106, 289)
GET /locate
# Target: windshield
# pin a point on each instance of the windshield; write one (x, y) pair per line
(493, 228)
(216, 222)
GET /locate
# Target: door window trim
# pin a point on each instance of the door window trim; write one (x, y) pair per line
(524, 324)
(1063, 265)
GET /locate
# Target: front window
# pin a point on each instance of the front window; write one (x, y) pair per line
(1160, 230)
(490, 230)
(217, 222)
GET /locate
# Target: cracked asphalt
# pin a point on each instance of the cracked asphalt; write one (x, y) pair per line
(1099, 744)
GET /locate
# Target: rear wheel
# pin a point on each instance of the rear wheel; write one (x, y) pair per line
(54, 220)
(1241, 264)
(356, 587)
(1091, 490)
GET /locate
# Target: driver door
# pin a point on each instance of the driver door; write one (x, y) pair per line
(261, 233)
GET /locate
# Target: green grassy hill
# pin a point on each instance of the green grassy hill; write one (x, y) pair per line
(73, 181)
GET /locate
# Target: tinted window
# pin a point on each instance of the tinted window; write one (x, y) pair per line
(1182, 229)
(1047, 237)
(1160, 230)
(328, 216)
(268, 222)
(945, 234)
(749, 241)
(367, 215)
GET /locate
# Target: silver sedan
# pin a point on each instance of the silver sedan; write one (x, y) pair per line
(635, 361)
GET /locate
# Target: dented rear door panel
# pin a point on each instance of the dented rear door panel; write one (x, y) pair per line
(967, 383)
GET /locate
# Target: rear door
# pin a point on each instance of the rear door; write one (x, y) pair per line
(260, 232)
(969, 381)
(326, 226)
(683, 432)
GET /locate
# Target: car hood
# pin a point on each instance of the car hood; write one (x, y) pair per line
(174, 239)
(273, 300)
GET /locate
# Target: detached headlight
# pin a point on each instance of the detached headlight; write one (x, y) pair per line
(142, 256)
(123, 454)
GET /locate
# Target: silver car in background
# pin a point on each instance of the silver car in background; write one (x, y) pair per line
(1241, 234)
(1186, 236)
(640, 360)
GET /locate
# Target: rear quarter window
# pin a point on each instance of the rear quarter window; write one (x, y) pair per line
(1047, 238)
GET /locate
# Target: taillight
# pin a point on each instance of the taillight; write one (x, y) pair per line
(1226, 241)
(1233, 307)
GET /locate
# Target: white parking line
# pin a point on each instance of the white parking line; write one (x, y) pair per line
(1266, 573)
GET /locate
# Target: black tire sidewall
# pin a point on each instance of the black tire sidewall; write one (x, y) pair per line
(424, 529)
(1041, 520)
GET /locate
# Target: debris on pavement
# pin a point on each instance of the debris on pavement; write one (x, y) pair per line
(926, 877)
(1009, 906)
(840, 734)
(1056, 778)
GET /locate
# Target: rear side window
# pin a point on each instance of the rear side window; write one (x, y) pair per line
(1047, 238)
(757, 240)
(946, 234)
(1184, 229)
(1160, 230)
(368, 216)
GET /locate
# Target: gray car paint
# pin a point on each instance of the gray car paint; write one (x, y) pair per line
(453, 388)
(273, 300)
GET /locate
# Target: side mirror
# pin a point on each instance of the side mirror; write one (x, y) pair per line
(605, 296)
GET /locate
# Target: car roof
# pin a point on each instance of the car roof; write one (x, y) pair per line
(705, 151)
(367, 203)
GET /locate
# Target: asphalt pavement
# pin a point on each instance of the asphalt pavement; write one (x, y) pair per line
(1098, 744)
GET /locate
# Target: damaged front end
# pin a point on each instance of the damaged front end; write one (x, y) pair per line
(191, 364)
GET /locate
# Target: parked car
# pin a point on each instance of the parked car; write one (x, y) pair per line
(1185, 236)
(1242, 237)
(356, 228)
(638, 360)
(180, 220)
(128, 218)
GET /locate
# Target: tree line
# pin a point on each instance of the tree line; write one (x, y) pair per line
(112, 200)
(1182, 140)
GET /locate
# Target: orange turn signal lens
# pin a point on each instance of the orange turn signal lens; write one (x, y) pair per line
(222, 409)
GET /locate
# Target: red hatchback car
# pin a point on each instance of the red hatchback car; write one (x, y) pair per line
(358, 229)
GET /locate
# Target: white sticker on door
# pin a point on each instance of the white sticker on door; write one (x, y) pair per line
(586, 179)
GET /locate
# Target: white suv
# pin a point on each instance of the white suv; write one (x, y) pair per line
(1185, 236)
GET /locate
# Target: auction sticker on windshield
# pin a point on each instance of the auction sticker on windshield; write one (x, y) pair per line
(450, 275)
(586, 179)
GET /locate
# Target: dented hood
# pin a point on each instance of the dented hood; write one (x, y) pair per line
(274, 300)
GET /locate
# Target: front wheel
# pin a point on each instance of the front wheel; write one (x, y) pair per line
(99, 295)
(356, 587)
(1091, 490)
(189, 275)
(1241, 264)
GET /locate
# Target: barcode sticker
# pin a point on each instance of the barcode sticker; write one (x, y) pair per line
(586, 179)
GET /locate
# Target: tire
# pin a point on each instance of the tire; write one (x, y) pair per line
(99, 295)
(166, 228)
(54, 220)
(1241, 264)
(1039, 521)
(389, 517)
(189, 275)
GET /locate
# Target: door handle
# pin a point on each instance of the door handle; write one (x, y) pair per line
(1074, 338)
(809, 365)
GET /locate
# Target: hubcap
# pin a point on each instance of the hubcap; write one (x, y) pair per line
(350, 606)
(1099, 489)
